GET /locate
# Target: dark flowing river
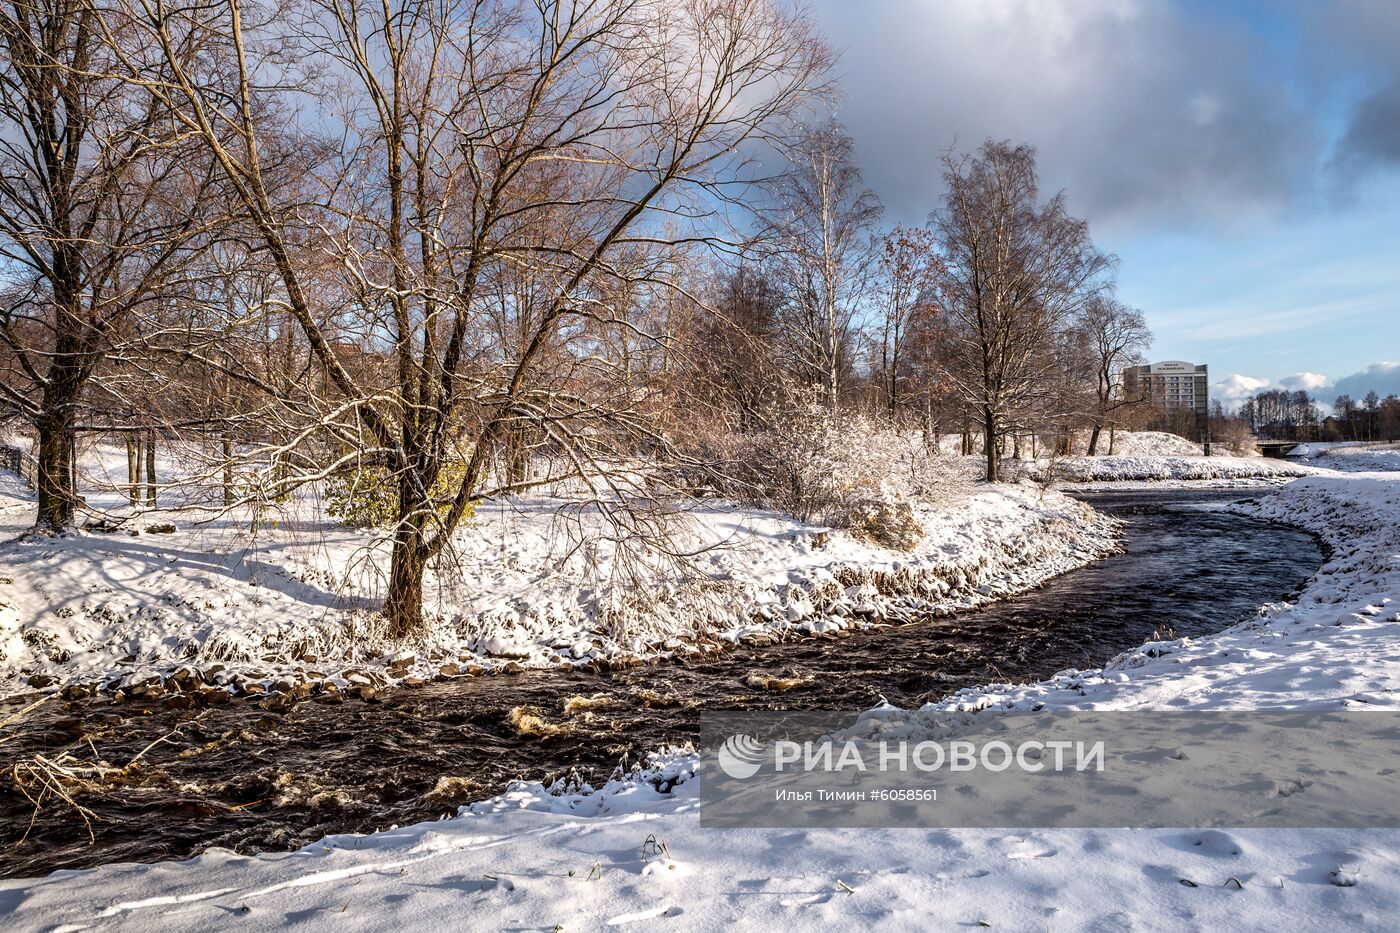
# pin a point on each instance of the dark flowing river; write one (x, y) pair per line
(247, 779)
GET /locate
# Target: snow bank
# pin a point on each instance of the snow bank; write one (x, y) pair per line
(1149, 444)
(1339, 631)
(1350, 458)
(1157, 468)
(633, 854)
(244, 599)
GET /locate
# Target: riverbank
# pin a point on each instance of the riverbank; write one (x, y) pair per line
(1168, 469)
(633, 852)
(184, 613)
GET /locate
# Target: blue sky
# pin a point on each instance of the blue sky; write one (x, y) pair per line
(1242, 159)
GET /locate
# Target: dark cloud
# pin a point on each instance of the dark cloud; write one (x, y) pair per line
(1381, 378)
(1362, 37)
(1372, 137)
(1145, 113)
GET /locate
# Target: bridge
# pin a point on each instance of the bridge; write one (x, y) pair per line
(1276, 448)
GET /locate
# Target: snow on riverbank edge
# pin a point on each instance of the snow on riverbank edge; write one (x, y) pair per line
(633, 854)
(1167, 469)
(192, 616)
(1340, 628)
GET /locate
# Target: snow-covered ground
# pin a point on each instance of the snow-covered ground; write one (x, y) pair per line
(633, 854)
(1148, 444)
(1349, 458)
(1125, 444)
(534, 581)
(1168, 468)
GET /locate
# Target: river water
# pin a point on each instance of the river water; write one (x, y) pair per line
(244, 778)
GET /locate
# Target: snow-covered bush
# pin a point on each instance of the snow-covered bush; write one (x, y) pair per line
(840, 468)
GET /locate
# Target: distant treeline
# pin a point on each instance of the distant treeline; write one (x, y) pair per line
(1296, 415)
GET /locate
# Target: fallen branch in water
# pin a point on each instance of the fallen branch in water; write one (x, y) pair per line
(42, 779)
(15, 717)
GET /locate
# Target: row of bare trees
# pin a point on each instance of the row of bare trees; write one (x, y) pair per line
(471, 247)
(1000, 314)
(1293, 414)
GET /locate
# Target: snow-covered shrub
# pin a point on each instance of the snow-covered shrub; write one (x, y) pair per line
(840, 468)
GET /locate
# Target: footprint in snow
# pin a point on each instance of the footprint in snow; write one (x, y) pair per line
(1031, 847)
(1343, 877)
(1216, 844)
(641, 915)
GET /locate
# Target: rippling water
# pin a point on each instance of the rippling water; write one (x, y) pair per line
(246, 779)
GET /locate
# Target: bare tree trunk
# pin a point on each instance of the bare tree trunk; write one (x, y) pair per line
(515, 452)
(1111, 439)
(228, 471)
(990, 433)
(54, 475)
(151, 472)
(133, 470)
(73, 467)
(1094, 438)
(403, 604)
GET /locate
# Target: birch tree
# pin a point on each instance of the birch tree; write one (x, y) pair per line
(824, 223)
(1018, 270)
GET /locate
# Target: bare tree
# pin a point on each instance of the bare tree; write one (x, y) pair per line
(481, 138)
(909, 292)
(1118, 338)
(1066, 398)
(824, 224)
(1017, 271)
(732, 350)
(100, 200)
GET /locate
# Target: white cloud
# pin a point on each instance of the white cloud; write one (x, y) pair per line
(1309, 381)
(1235, 388)
(1383, 378)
